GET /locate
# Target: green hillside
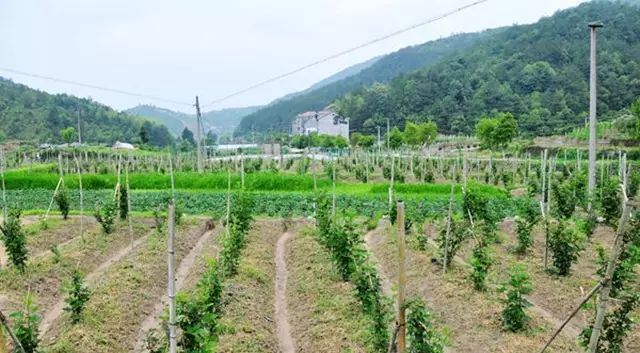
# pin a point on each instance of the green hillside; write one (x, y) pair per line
(35, 116)
(222, 121)
(539, 72)
(278, 115)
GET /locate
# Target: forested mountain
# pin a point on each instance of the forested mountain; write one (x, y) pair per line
(538, 72)
(30, 115)
(279, 114)
(220, 121)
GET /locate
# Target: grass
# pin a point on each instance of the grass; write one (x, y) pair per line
(122, 299)
(324, 314)
(247, 323)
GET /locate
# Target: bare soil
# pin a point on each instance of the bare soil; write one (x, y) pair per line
(285, 342)
(474, 318)
(122, 298)
(248, 324)
(324, 313)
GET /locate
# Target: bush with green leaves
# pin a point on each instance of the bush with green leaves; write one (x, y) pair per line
(528, 216)
(459, 232)
(611, 201)
(15, 240)
(481, 262)
(514, 315)
(234, 241)
(616, 326)
(422, 337)
(77, 296)
(123, 206)
(565, 243)
(25, 325)
(198, 312)
(62, 200)
(105, 214)
(159, 219)
(563, 198)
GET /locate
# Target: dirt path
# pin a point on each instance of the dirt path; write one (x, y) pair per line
(386, 283)
(285, 342)
(56, 311)
(151, 321)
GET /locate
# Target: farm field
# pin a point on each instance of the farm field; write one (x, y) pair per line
(304, 261)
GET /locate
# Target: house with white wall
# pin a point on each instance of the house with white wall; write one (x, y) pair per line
(324, 122)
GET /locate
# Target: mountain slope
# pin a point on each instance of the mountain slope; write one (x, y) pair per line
(278, 116)
(30, 115)
(220, 121)
(539, 72)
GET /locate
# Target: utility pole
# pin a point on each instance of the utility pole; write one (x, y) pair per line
(198, 136)
(79, 129)
(593, 96)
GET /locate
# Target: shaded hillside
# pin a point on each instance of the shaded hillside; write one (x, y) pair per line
(539, 72)
(278, 116)
(30, 115)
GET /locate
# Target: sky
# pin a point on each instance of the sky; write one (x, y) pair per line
(180, 49)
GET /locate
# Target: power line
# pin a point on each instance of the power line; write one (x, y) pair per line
(101, 88)
(347, 51)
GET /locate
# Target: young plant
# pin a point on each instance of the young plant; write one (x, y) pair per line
(77, 296)
(15, 240)
(458, 233)
(421, 336)
(525, 222)
(514, 315)
(480, 264)
(57, 256)
(564, 199)
(106, 215)
(123, 205)
(611, 204)
(616, 326)
(25, 325)
(565, 243)
(62, 200)
(159, 218)
(234, 240)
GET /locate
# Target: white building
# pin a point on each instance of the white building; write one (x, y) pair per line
(324, 122)
(123, 146)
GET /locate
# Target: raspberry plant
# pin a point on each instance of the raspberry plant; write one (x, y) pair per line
(15, 240)
(77, 296)
(514, 316)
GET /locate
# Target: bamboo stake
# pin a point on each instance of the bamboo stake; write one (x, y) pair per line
(393, 172)
(173, 184)
(16, 342)
(593, 291)
(242, 170)
(133, 248)
(4, 188)
(402, 280)
(333, 189)
(79, 170)
(448, 233)
(171, 278)
(603, 300)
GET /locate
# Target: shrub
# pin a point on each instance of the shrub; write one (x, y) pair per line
(563, 198)
(62, 200)
(523, 233)
(123, 205)
(616, 326)
(106, 215)
(15, 240)
(159, 218)
(459, 232)
(421, 336)
(77, 296)
(480, 263)
(234, 240)
(565, 243)
(611, 202)
(514, 316)
(25, 325)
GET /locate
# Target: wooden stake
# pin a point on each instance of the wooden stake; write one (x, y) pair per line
(16, 342)
(171, 279)
(333, 190)
(133, 248)
(4, 188)
(393, 172)
(402, 280)
(603, 300)
(228, 193)
(79, 170)
(448, 233)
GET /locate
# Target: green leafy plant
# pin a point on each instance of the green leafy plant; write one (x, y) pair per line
(77, 296)
(159, 219)
(526, 220)
(422, 337)
(616, 326)
(62, 200)
(15, 240)
(123, 206)
(57, 256)
(514, 315)
(106, 215)
(481, 262)
(611, 202)
(234, 240)
(459, 232)
(565, 243)
(25, 325)
(563, 199)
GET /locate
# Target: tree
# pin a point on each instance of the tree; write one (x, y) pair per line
(635, 110)
(187, 135)
(396, 139)
(366, 141)
(68, 134)
(144, 133)
(354, 139)
(498, 131)
(211, 138)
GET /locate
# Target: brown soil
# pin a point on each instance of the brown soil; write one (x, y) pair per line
(44, 278)
(122, 298)
(285, 342)
(323, 310)
(248, 324)
(187, 274)
(474, 318)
